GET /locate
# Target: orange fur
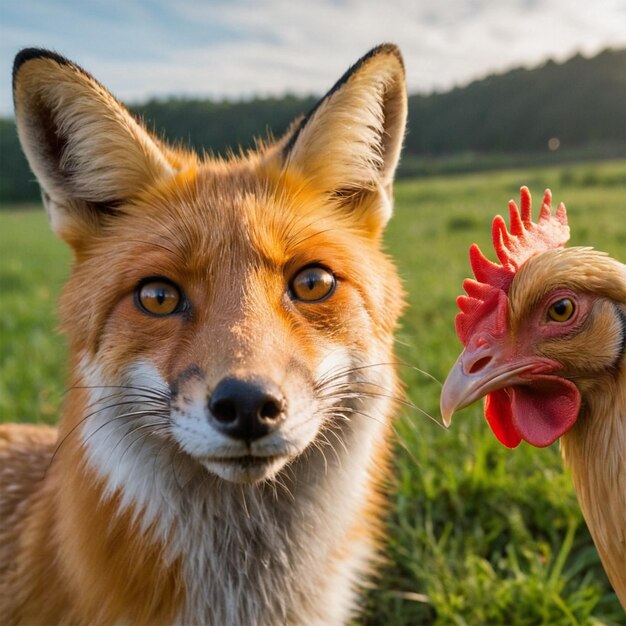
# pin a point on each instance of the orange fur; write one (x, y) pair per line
(133, 511)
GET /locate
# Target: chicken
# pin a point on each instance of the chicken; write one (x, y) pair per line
(544, 334)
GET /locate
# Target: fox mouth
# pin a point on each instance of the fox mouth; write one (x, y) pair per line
(246, 468)
(247, 460)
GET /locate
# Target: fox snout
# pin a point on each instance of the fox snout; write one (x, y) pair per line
(246, 410)
(245, 426)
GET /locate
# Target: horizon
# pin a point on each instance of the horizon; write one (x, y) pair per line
(239, 50)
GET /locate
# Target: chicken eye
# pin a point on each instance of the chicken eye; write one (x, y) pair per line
(312, 284)
(159, 297)
(561, 310)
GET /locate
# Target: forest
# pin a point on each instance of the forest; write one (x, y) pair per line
(554, 113)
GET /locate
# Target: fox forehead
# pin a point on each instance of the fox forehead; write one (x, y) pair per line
(207, 226)
(204, 215)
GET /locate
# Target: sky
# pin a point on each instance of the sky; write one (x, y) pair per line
(240, 48)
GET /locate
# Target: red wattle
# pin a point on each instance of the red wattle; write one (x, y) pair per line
(545, 409)
(500, 418)
(539, 412)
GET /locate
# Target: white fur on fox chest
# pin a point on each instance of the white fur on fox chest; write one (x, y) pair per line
(269, 554)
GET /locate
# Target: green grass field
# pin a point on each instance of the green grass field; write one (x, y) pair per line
(477, 534)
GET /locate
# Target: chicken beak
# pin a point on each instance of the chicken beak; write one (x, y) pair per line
(476, 373)
(459, 390)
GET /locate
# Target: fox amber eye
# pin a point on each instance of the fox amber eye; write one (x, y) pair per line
(312, 284)
(561, 310)
(159, 297)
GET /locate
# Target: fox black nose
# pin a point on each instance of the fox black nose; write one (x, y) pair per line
(247, 409)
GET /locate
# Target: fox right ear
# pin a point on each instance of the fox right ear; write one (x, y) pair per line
(86, 150)
(349, 144)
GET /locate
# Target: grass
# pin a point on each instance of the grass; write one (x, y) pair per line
(477, 534)
(33, 268)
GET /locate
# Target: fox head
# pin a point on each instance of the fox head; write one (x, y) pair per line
(234, 316)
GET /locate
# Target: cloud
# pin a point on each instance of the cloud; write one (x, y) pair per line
(238, 48)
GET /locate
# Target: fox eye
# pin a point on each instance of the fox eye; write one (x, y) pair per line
(312, 284)
(561, 310)
(159, 297)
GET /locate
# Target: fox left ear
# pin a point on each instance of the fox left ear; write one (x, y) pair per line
(87, 151)
(349, 144)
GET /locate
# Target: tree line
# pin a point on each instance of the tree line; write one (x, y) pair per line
(569, 106)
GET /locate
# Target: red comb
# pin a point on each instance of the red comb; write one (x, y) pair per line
(513, 248)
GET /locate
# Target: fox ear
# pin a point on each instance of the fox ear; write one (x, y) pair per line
(86, 150)
(350, 143)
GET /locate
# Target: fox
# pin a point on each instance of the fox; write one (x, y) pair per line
(225, 442)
